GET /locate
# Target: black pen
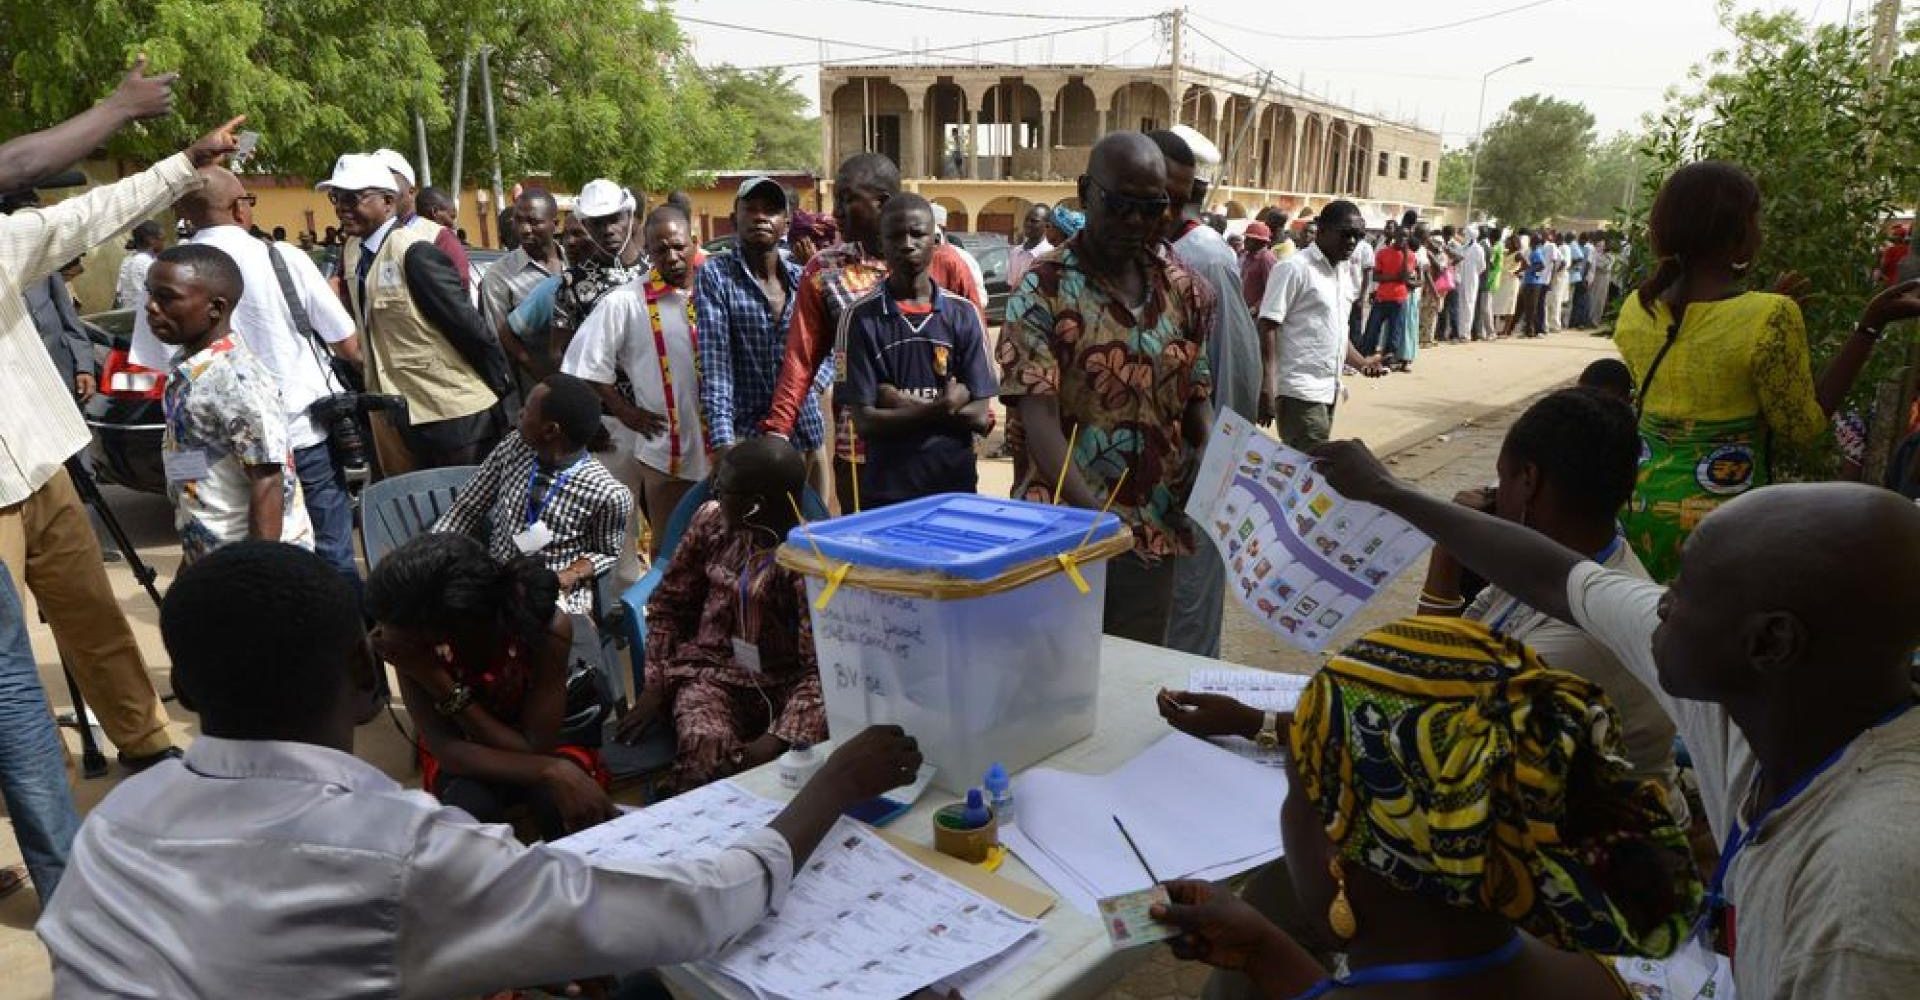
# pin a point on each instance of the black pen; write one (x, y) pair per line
(1136, 850)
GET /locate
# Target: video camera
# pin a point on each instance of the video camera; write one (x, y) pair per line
(344, 416)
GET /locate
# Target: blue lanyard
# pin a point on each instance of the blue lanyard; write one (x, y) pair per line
(537, 506)
(1499, 627)
(1419, 972)
(1738, 839)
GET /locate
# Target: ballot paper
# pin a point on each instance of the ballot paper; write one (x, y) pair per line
(1301, 558)
(1647, 979)
(860, 920)
(1266, 690)
(1194, 810)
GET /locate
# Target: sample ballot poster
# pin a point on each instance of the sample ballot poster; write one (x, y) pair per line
(1300, 557)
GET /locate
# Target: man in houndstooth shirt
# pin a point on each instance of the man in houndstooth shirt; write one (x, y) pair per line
(540, 494)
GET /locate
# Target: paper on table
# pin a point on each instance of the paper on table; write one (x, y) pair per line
(1266, 690)
(1301, 558)
(974, 981)
(1189, 806)
(863, 921)
(684, 827)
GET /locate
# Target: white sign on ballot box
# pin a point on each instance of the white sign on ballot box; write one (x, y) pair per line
(1301, 558)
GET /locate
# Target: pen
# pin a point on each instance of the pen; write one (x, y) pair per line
(1136, 850)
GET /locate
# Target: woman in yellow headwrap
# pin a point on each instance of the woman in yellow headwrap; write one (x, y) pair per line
(1464, 818)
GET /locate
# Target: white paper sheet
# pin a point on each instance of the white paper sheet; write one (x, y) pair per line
(861, 920)
(1300, 557)
(1265, 690)
(1192, 809)
(1647, 980)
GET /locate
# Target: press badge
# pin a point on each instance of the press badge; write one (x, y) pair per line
(389, 275)
(536, 537)
(185, 466)
(746, 655)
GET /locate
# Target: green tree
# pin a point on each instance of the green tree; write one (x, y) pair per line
(1533, 158)
(1450, 187)
(1829, 139)
(584, 88)
(1611, 179)
(784, 136)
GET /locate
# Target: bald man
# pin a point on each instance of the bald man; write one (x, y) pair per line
(290, 346)
(1138, 312)
(1783, 651)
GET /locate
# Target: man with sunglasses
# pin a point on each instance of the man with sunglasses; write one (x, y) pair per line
(835, 277)
(1104, 356)
(221, 212)
(424, 342)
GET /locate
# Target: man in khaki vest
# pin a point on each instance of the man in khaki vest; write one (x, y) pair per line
(423, 340)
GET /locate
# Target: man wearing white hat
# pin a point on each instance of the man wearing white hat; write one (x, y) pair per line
(1233, 353)
(446, 239)
(423, 341)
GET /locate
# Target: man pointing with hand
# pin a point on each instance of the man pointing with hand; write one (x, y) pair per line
(46, 539)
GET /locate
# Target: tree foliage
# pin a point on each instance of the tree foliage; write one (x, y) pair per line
(584, 88)
(1532, 159)
(1611, 179)
(1450, 186)
(1830, 141)
(784, 136)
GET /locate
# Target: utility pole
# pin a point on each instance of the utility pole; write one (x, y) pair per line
(493, 135)
(1479, 121)
(460, 129)
(420, 147)
(1177, 93)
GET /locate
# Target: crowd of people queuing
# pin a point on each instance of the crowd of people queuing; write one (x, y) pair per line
(607, 369)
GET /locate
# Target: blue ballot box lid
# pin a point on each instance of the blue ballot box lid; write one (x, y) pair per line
(958, 534)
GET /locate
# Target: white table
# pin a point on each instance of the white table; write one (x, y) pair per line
(1076, 960)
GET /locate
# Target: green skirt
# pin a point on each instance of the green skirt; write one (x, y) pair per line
(1688, 468)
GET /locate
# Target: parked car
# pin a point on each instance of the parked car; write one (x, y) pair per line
(994, 261)
(125, 416)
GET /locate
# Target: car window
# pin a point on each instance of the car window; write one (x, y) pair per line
(993, 262)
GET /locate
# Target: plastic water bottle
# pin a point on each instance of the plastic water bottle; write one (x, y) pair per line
(999, 792)
(797, 765)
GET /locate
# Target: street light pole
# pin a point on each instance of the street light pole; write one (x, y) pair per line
(1479, 120)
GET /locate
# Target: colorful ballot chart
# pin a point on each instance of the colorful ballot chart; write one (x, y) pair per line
(1301, 557)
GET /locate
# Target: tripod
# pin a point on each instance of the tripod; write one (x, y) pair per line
(93, 763)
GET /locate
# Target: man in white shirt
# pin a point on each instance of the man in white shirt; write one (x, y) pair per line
(1473, 264)
(1360, 266)
(46, 536)
(1557, 263)
(130, 287)
(1783, 652)
(271, 862)
(639, 348)
(1303, 331)
(263, 320)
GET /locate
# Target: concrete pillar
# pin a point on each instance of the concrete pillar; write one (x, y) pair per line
(1049, 107)
(916, 138)
(973, 141)
(827, 151)
(1293, 172)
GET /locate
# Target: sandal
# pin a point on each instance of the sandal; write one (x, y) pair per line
(12, 879)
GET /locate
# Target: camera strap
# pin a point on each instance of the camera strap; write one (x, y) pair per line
(302, 324)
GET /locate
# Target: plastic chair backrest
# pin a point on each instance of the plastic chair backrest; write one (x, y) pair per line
(394, 510)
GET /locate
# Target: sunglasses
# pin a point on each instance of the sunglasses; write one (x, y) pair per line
(1125, 204)
(348, 198)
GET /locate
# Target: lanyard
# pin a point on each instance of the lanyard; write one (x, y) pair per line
(1499, 627)
(1419, 972)
(751, 574)
(1738, 839)
(537, 503)
(657, 288)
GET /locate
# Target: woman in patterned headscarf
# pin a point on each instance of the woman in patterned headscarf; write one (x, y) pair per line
(1463, 817)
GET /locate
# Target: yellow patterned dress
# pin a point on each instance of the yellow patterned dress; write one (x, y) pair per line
(1736, 378)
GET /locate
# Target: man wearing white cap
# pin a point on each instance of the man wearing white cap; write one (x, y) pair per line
(423, 340)
(1233, 353)
(966, 256)
(446, 239)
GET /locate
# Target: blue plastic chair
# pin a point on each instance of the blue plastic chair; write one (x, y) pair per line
(395, 509)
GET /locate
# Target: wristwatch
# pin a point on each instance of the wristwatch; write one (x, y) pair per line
(456, 701)
(1268, 738)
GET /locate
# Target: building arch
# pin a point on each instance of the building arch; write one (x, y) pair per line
(869, 114)
(959, 220)
(1002, 215)
(1138, 105)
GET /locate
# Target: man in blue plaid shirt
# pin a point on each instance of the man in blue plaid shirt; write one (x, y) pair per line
(745, 301)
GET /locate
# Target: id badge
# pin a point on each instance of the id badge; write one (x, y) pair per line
(185, 466)
(389, 277)
(533, 539)
(1693, 966)
(746, 655)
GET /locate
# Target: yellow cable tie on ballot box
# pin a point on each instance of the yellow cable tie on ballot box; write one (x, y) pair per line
(1069, 560)
(835, 574)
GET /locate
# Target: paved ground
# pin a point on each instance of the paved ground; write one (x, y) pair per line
(1441, 423)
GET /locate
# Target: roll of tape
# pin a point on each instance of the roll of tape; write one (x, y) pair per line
(966, 845)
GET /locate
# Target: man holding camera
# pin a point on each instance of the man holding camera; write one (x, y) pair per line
(292, 323)
(424, 341)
